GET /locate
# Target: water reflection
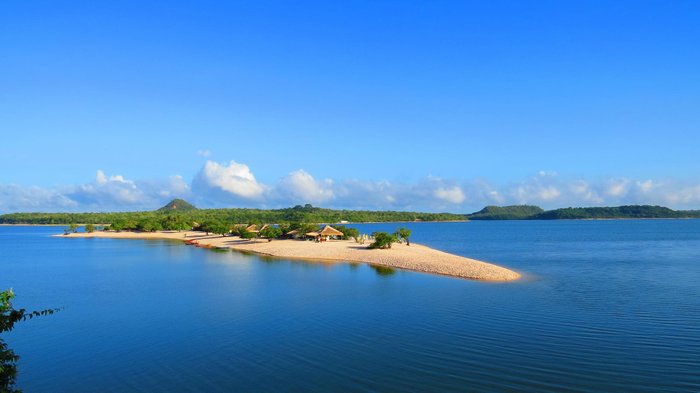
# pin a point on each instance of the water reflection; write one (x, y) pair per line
(383, 270)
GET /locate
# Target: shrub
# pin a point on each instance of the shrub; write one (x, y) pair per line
(271, 233)
(403, 234)
(382, 240)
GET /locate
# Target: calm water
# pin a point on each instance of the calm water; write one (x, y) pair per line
(606, 306)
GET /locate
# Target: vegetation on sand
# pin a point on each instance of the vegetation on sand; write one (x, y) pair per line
(382, 240)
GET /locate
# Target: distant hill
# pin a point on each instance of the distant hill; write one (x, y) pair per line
(629, 211)
(527, 212)
(516, 212)
(179, 205)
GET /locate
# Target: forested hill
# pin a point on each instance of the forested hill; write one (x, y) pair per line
(631, 211)
(179, 205)
(526, 212)
(306, 213)
(519, 212)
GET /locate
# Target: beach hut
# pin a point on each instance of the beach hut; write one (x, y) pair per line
(293, 234)
(328, 231)
(254, 228)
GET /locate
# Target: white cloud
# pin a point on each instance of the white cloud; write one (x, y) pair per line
(453, 195)
(234, 179)
(175, 187)
(16, 198)
(203, 152)
(107, 190)
(234, 185)
(617, 187)
(549, 193)
(583, 192)
(303, 188)
(645, 186)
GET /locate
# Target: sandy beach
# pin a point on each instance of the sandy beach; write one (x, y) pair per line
(415, 257)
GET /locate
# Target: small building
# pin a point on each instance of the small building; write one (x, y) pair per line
(329, 232)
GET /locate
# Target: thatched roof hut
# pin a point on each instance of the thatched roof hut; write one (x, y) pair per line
(330, 231)
(254, 228)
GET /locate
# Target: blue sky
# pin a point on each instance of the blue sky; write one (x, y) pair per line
(441, 106)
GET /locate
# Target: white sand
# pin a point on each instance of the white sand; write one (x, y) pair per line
(414, 257)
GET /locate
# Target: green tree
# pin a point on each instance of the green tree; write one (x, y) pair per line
(176, 222)
(403, 234)
(382, 240)
(271, 233)
(89, 228)
(348, 233)
(220, 228)
(72, 228)
(149, 225)
(306, 227)
(8, 317)
(247, 235)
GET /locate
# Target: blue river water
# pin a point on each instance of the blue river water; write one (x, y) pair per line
(604, 306)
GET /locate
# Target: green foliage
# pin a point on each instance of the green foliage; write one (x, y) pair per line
(175, 222)
(247, 235)
(298, 214)
(215, 226)
(8, 317)
(382, 240)
(73, 227)
(629, 211)
(348, 233)
(403, 234)
(90, 228)
(149, 225)
(518, 212)
(305, 227)
(271, 232)
(183, 220)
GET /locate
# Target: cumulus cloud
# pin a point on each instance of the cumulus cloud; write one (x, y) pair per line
(453, 195)
(617, 188)
(232, 181)
(299, 186)
(175, 187)
(112, 190)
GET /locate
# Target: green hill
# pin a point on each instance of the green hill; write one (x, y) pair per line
(527, 212)
(516, 212)
(628, 211)
(179, 205)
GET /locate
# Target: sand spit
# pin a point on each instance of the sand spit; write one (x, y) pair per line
(414, 257)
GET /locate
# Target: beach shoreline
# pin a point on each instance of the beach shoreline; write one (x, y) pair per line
(415, 257)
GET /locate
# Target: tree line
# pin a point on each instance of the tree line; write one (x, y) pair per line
(299, 213)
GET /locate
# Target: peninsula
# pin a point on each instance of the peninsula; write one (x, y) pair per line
(414, 257)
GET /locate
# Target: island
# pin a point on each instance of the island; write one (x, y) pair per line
(415, 257)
